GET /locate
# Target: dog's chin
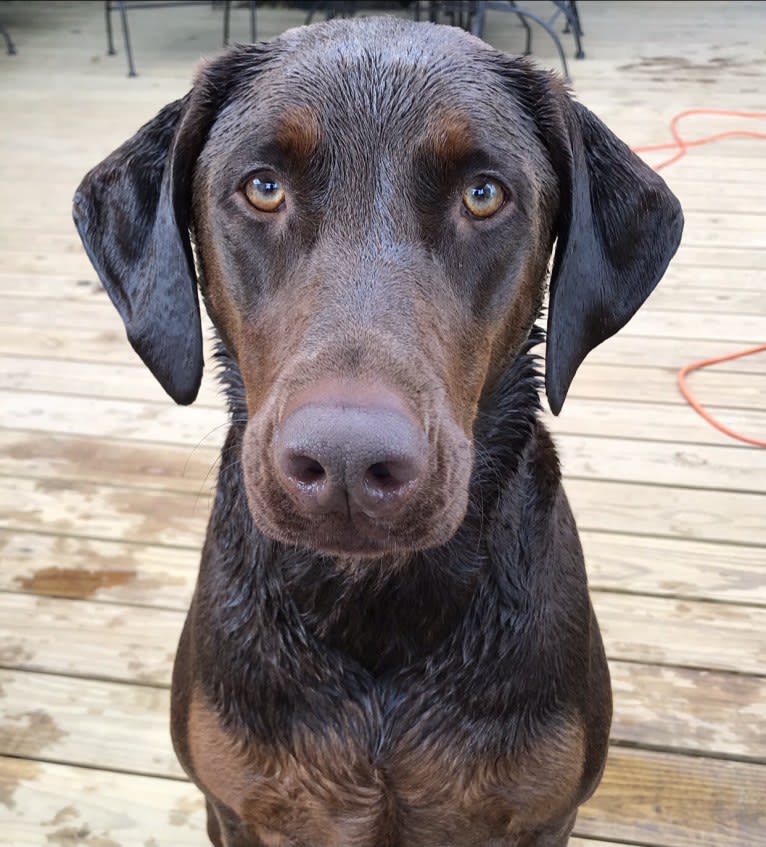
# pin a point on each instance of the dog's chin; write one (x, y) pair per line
(358, 537)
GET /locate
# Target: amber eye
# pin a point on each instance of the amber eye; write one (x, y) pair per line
(483, 197)
(265, 192)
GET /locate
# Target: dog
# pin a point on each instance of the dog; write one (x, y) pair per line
(391, 642)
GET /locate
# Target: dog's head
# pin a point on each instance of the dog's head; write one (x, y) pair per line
(373, 205)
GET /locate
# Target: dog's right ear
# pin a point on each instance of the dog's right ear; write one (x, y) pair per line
(132, 213)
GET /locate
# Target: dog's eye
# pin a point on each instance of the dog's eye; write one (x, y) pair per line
(483, 197)
(265, 192)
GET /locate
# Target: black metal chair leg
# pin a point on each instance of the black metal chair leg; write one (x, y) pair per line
(528, 29)
(554, 37)
(126, 34)
(109, 36)
(227, 21)
(477, 26)
(252, 22)
(576, 30)
(9, 45)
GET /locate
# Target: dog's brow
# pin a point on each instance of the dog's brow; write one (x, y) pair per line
(450, 136)
(298, 132)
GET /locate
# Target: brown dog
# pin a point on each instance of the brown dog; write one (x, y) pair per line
(391, 642)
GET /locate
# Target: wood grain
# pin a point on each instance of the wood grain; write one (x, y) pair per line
(677, 801)
(67, 806)
(101, 531)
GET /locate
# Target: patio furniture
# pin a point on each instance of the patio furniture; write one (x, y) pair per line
(565, 8)
(9, 45)
(123, 7)
(471, 15)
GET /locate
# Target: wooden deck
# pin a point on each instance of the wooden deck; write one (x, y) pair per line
(105, 485)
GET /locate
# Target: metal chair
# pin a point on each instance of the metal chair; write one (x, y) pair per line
(122, 7)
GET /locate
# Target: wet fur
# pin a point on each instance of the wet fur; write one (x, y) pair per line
(450, 690)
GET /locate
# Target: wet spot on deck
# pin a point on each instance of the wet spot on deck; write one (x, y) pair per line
(73, 582)
(29, 733)
(13, 776)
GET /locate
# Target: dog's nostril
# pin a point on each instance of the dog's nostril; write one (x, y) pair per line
(305, 470)
(380, 471)
(388, 477)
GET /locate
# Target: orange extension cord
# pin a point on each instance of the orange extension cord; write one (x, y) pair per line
(681, 145)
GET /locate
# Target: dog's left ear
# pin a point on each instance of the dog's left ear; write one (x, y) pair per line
(618, 227)
(132, 214)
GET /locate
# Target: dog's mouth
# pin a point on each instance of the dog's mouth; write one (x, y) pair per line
(357, 536)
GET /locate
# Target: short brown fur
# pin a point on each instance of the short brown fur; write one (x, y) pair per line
(391, 642)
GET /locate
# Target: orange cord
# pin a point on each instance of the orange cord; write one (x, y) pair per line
(681, 146)
(700, 409)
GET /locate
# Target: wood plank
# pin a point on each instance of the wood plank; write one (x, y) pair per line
(94, 379)
(136, 644)
(689, 710)
(109, 571)
(43, 716)
(659, 463)
(57, 287)
(675, 567)
(674, 296)
(164, 467)
(155, 422)
(103, 512)
(683, 633)
(653, 421)
(705, 515)
(595, 381)
(82, 344)
(68, 263)
(677, 801)
(62, 805)
(728, 196)
(730, 229)
(91, 345)
(93, 313)
(637, 351)
(86, 639)
(707, 256)
(744, 329)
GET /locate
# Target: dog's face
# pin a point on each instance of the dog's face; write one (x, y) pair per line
(399, 259)
(374, 205)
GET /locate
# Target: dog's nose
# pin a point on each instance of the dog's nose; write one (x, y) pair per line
(347, 458)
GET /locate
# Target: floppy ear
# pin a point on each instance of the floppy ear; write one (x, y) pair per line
(132, 213)
(619, 225)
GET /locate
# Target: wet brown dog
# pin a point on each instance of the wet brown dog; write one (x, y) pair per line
(391, 641)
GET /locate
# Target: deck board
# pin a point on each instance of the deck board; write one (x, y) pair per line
(105, 484)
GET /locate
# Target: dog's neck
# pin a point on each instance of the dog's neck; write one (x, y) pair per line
(386, 613)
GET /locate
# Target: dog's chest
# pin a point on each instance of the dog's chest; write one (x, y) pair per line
(426, 789)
